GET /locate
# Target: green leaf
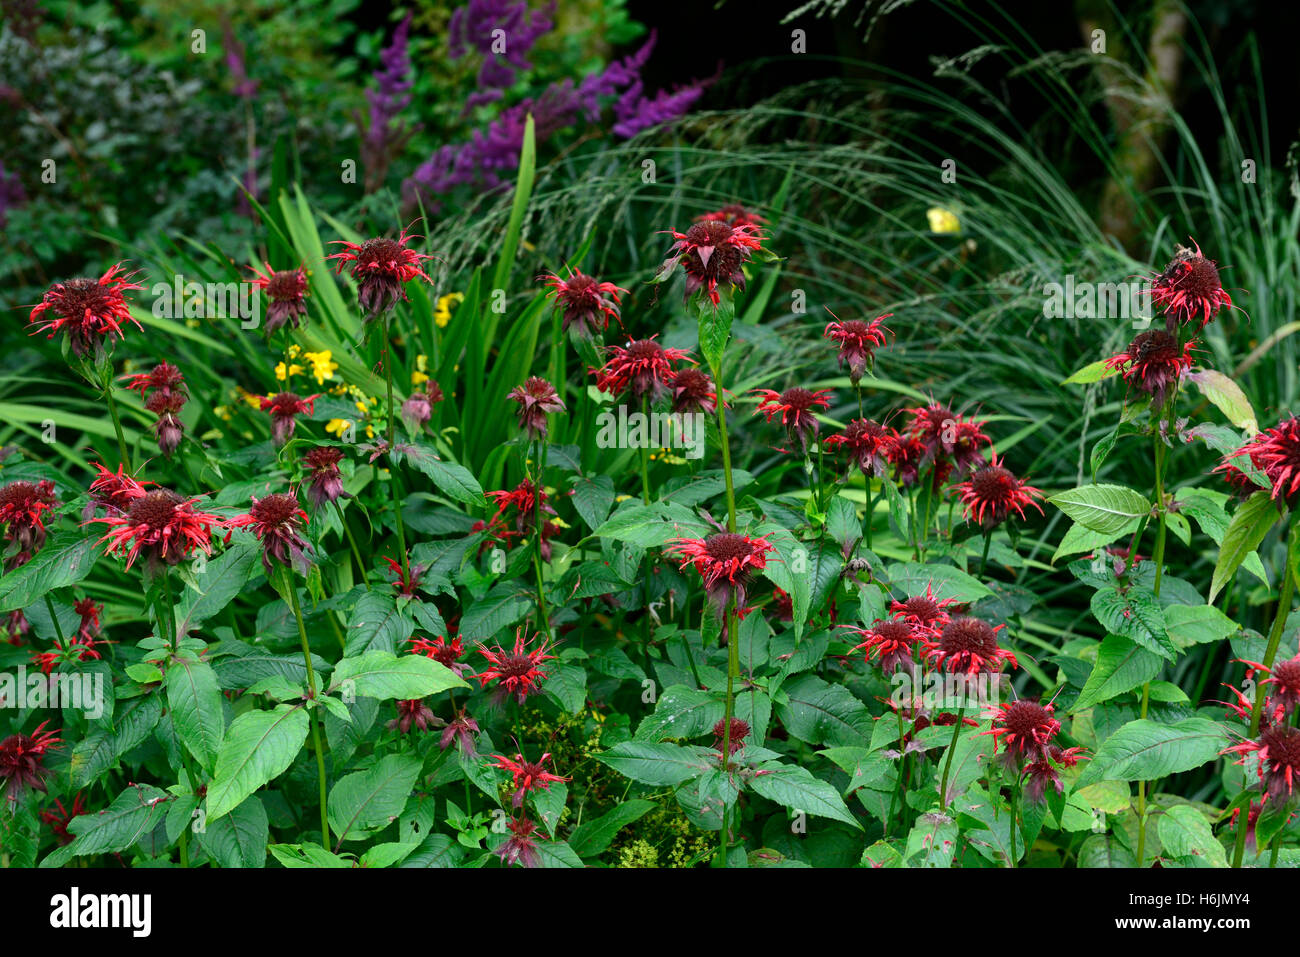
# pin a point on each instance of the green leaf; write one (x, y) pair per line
(681, 712)
(133, 814)
(795, 787)
(948, 582)
(1144, 750)
(1250, 523)
(817, 712)
(259, 747)
(1185, 833)
(1227, 396)
(194, 699)
(715, 325)
(102, 748)
(1135, 614)
(64, 560)
(593, 837)
(1122, 665)
(660, 765)
(653, 525)
(453, 480)
(1197, 625)
(239, 838)
(1080, 538)
(223, 578)
(566, 685)
(371, 799)
(496, 611)
(1092, 372)
(382, 675)
(1105, 850)
(376, 623)
(1103, 508)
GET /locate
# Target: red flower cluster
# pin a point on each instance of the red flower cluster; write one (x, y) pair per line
(169, 397)
(90, 311)
(518, 673)
(992, 493)
(277, 521)
(858, 342)
(536, 398)
(23, 508)
(22, 761)
(726, 561)
(588, 303)
(712, 252)
(527, 775)
(970, 646)
(1153, 363)
(284, 407)
(796, 407)
(1189, 288)
(325, 482)
(641, 369)
(381, 267)
(287, 291)
(159, 523)
(1276, 453)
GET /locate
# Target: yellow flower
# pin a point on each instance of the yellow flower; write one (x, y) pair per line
(282, 373)
(321, 365)
(361, 407)
(338, 426)
(942, 220)
(294, 349)
(442, 315)
(418, 373)
(254, 400)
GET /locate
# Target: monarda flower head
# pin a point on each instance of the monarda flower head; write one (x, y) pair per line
(518, 672)
(23, 508)
(1242, 485)
(711, 253)
(381, 267)
(797, 410)
(167, 428)
(1188, 289)
(970, 646)
(22, 761)
(730, 736)
(521, 846)
(891, 642)
(161, 525)
(284, 407)
(1276, 453)
(164, 377)
(446, 653)
(858, 342)
(1278, 751)
(412, 712)
(734, 214)
(642, 369)
(277, 521)
(536, 398)
(113, 491)
(726, 561)
(925, 610)
(324, 481)
(418, 409)
(527, 500)
(944, 434)
(59, 819)
(867, 444)
(694, 391)
(992, 493)
(1152, 363)
(286, 289)
(90, 311)
(1023, 729)
(527, 775)
(588, 304)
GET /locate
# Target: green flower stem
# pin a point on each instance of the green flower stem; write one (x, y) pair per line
(1015, 794)
(1270, 653)
(538, 522)
(870, 507)
(356, 552)
(392, 428)
(947, 764)
(1159, 558)
(984, 558)
(733, 638)
(117, 427)
(311, 714)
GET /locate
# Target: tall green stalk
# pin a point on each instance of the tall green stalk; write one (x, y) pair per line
(392, 477)
(729, 618)
(311, 713)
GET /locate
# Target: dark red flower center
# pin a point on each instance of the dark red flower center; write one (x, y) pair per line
(1288, 675)
(799, 399)
(1283, 743)
(644, 350)
(895, 631)
(76, 296)
(993, 484)
(275, 510)
(380, 251)
(1195, 276)
(155, 509)
(969, 636)
(288, 284)
(922, 608)
(1154, 347)
(322, 459)
(728, 546)
(1027, 719)
(21, 495)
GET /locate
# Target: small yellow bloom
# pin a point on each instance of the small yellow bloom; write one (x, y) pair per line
(942, 220)
(282, 373)
(322, 366)
(442, 314)
(294, 350)
(337, 426)
(418, 374)
(254, 400)
(361, 407)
